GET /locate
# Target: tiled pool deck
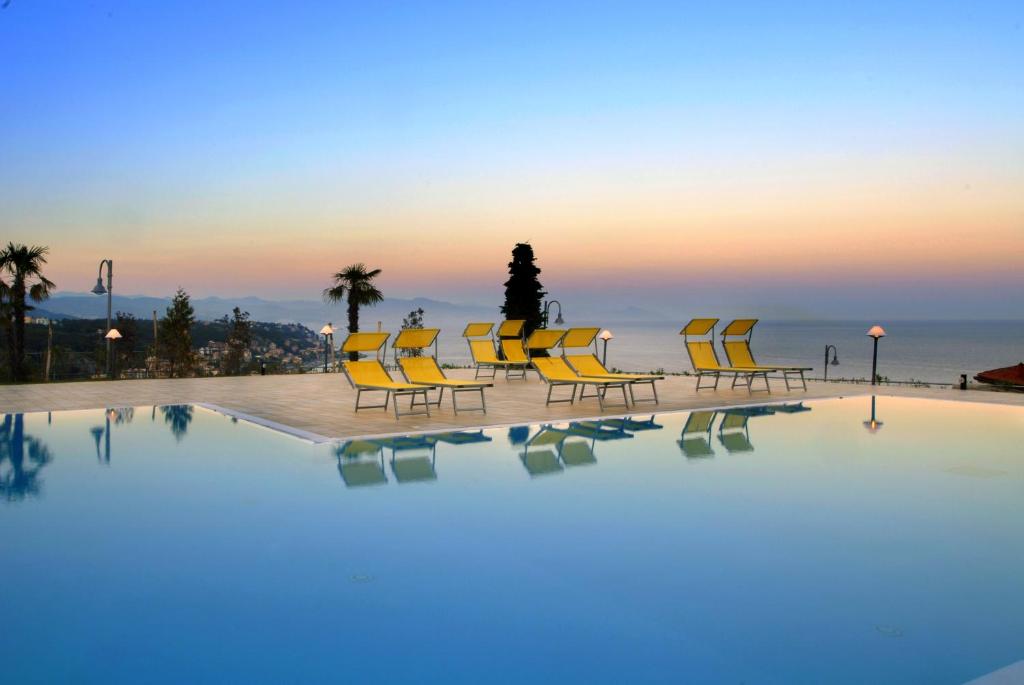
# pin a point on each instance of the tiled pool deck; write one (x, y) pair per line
(320, 406)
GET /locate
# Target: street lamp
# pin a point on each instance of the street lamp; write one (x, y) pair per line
(835, 359)
(547, 307)
(606, 335)
(875, 332)
(328, 332)
(112, 335)
(109, 291)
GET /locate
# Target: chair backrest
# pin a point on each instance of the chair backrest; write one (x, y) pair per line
(514, 351)
(586, 364)
(367, 372)
(702, 355)
(580, 337)
(511, 328)
(365, 342)
(544, 339)
(477, 330)
(483, 352)
(421, 369)
(738, 353)
(554, 369)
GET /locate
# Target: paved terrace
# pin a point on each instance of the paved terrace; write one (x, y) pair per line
(321, 405)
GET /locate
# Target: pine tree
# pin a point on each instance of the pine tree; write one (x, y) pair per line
(523, 291)
(176, 335)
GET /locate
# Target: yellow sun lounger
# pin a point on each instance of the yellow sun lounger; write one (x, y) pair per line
(423, 369)
(587, 364)
(481, 348)
(705, 360)
(736, 343)
(369, 375)
(556, 372)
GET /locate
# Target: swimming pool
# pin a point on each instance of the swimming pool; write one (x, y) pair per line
(807, 542)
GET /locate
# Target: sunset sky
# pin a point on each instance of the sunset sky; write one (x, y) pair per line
(789, 160)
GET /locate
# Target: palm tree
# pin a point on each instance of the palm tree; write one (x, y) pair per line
(23, 264)
(355, 284)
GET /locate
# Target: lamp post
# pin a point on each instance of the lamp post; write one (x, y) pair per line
(875, 332)
(606, 335)
(547, 308)
(112, 335)
(835, 359)
(328, 332)
(109, 291)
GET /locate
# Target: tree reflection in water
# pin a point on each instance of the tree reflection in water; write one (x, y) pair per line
(178, 417)
(18, 477)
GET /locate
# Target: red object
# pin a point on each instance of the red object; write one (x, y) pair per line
(1010, 376)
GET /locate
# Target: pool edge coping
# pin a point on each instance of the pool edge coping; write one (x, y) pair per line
(319, 439)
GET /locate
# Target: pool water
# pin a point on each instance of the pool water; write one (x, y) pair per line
(796, 543)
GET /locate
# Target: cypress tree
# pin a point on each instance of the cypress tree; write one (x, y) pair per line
(523, 291)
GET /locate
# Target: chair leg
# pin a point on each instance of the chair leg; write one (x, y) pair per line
(455, 404)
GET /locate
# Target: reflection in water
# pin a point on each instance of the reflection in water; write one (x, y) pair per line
(413, 457)
(178, 416)
(518, 435)
(18, 479)
(873, 424)
(552, 449)
(121, 415)
(733, 429)
(361, 462)
(695, 441)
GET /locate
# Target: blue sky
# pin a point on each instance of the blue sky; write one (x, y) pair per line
(217, 145)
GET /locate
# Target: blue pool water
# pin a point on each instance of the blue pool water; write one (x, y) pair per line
(768, 546)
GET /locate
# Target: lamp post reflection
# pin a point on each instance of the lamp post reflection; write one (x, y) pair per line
(873, 424)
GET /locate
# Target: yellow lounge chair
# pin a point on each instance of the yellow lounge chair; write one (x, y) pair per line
(481, 349)
(516, 359)
(587, 364)
(736, 343)
(556, 372)
(424, 369)
(369, 375)
(705, 361)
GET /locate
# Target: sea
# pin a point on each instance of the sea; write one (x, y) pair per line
(922, 351)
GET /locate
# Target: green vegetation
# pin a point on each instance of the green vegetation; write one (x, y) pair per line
(355, 284)
(176, 336)
(21, 279)
(239, 341)
(523, 291)
(413, 320)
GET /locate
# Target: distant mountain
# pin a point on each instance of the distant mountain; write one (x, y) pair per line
(310, 313)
